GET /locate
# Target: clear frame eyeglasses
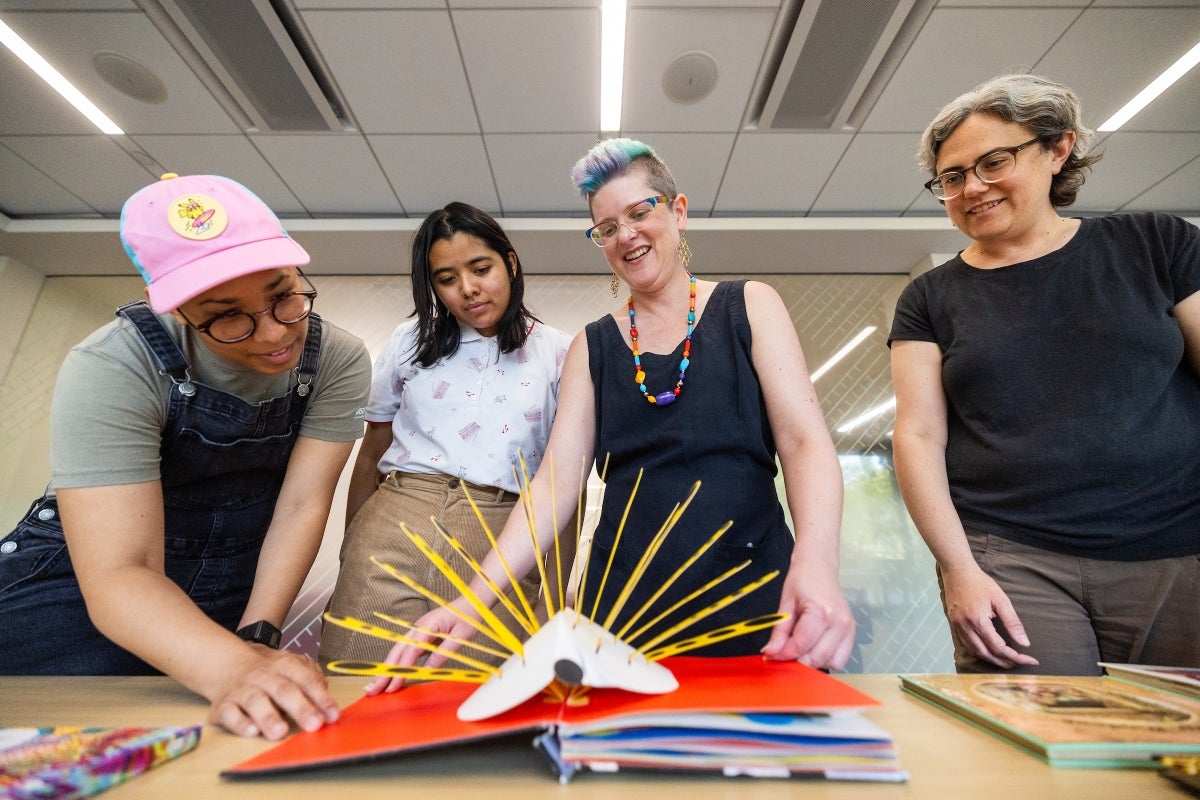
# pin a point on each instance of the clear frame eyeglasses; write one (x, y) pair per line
(605, 232)
(237, 325)
(995, 166)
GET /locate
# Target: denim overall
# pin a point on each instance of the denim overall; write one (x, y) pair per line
(222, 465)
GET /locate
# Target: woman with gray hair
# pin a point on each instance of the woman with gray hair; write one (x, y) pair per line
(1048, 400)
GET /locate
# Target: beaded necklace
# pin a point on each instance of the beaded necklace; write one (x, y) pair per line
(639, 376)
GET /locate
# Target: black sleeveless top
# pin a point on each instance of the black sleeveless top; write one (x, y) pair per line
(716, 432)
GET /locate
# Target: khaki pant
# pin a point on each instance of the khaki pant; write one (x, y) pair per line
(363, 588)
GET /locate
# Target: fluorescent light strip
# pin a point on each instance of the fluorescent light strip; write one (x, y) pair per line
(612, 63)
(867, 416)
(840, 354)
(1157, 87)
(50, 75)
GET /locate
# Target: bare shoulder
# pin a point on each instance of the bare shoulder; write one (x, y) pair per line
(764, 306)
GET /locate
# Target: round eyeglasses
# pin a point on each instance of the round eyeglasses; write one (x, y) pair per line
(995, 166)
(605, 232)
(237, 325)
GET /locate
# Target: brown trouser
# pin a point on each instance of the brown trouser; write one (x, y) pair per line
(1078, 611)
(363, 588)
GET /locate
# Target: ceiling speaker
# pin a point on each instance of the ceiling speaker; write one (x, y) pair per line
(129, 77)
(690, 77)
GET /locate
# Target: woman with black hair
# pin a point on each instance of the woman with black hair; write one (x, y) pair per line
(460, 395)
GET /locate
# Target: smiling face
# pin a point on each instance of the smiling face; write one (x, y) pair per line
(473, 281)
(1015, 207)
(641, 252)
(273, 347)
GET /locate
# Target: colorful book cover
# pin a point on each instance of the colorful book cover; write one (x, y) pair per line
(65, 763)
(733, 701)
(1070, 721)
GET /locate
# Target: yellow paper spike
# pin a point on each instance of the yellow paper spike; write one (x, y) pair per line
(359, 626)
(714, 636)
(491, 537)
(708, 611)
(488, 624)
(471, 643)
(531, 524)
(705, 589)
(373, 669)
(616, 545)
(551, 606)
(674, 577)
(530, 625)
(648, 555)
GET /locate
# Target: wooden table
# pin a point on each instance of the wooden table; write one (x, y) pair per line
(945, 758)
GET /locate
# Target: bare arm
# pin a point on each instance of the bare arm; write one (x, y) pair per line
(1187, 312)
(973, 599)
(364, 477)
(820, 631)
(115, 537)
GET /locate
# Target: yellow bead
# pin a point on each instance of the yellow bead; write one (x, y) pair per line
(640, 377)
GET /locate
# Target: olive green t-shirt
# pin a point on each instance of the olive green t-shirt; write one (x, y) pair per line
(110, 402)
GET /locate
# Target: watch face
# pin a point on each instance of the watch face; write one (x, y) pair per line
(261, 632)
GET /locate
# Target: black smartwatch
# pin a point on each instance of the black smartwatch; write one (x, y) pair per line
(261, 632)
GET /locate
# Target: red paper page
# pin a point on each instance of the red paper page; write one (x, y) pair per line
(423, 716)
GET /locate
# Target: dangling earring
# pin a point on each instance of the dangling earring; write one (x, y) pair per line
(615, 284)
(683, 251)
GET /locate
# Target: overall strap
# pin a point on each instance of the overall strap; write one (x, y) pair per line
(310, 359)
(171, 360)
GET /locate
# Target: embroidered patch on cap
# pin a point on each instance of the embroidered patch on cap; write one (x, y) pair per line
(196, 217)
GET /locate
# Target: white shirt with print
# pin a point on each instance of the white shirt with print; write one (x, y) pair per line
(471, 415)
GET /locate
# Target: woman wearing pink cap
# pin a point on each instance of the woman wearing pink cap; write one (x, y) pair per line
(195, 445)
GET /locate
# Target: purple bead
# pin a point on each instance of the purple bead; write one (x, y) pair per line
(664, 399)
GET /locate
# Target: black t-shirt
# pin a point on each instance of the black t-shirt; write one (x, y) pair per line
(1073, 414)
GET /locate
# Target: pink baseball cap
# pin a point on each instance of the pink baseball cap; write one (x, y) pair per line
(188, 234)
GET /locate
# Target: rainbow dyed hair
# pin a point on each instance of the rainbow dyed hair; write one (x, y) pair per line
(612, 158)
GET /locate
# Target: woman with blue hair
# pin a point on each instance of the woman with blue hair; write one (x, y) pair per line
(688, 380)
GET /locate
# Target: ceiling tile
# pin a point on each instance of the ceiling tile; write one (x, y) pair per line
(70, 40)
(427, 172)
(877, 175)
(533, 172)
(1175, 194)
(25, 190)
(772, 173)
(697, 161)
(94, 168)
(950, 56)
(1095, 59)
(734, 38)
(533, 71)
(231, 156)
(30, 106)
(331, 175)
(399, 70)
(1132, 164)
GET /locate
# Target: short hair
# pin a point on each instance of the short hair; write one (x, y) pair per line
(1046, 108)
(437, 328)
(612, 158)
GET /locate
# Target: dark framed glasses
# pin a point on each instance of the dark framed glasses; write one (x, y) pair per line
(236, 325)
